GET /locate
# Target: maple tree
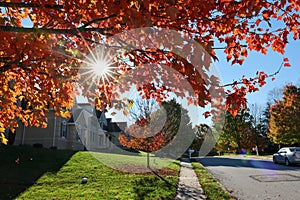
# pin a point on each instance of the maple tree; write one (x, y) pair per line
(142, 109)
(285, 118)
(147, 133)
(39, 63)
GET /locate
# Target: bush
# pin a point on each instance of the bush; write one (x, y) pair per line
(37, 145)
(24, 145)
(214, 152)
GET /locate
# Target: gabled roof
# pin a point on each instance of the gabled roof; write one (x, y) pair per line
(113, 126)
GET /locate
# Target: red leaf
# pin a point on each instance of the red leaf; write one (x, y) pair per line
(257, 22)
(234, 103)
(266, 16)
(207, 114)
(287, 64)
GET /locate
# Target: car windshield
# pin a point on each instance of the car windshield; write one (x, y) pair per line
(295, 149)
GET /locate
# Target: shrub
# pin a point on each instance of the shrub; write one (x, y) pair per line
(37, 145)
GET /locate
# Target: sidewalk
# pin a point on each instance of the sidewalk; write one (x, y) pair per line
(188, 186)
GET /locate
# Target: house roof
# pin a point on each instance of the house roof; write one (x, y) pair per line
(109, 126)
(113, 126)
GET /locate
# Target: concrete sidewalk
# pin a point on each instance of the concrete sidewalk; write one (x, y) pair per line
(188, 186)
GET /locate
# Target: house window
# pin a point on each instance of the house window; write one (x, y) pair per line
(102, 140)
(79, 133)
(78, 137)
(64, 129)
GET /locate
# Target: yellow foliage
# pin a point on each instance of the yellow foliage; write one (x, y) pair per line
(2, 129)
(125, 112)
(129, 106)
(65, 114)
(3, 139)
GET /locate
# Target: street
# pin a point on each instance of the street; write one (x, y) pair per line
(248, 178)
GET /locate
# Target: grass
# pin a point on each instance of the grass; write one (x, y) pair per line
(21, 166)
(119, 161)
(249, 156)
(259, 157)
(212, 189)
(56, 174)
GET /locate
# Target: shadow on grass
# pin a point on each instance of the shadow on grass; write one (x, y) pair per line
(163, 183)
(162, 178)
(22, 166)
(149, 186)
(177, 163)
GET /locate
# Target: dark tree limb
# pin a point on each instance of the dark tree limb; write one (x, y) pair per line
(30, 5)
(72, 31)
(253, 79)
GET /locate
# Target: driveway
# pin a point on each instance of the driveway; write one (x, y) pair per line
(249, 178)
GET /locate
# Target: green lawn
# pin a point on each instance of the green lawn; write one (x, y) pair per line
(15, 176)
(211, 187)
(248, 155)
(57, 174)
(120, 161)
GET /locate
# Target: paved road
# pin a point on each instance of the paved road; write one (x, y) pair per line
(255, 179)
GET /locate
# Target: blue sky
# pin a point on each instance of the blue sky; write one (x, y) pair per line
(269, 64)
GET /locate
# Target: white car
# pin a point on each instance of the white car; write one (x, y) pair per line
(287, 155)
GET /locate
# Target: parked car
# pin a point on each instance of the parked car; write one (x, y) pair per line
(287, 155)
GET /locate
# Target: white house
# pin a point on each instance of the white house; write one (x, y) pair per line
(85, 129)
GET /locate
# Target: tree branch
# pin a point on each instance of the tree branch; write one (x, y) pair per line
(97, 20)
(256, 78)
(30, 5)
(72, 31)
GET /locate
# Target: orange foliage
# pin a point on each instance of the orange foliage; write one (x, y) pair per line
(284, 118)
(39, 62)
(141, 139)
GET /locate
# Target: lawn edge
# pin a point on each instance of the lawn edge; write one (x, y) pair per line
(206, 186)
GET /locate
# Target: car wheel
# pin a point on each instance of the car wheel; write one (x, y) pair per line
(275, 160)
(287, 162)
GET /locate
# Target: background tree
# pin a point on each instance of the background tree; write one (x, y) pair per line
(237, 133)
(269, 145)
(40, 60)
(200, 131)
(256, 112)
(142, 109)
(285, 118)
(142, 134)
(149, 134)
(275, 95)
(260, 118)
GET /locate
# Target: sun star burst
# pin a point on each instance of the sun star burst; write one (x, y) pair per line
(99, 66)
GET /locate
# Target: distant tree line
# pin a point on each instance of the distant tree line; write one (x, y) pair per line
(264, 130)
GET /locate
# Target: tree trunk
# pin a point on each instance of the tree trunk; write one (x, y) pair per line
(256, 149)
(11, 137)
(148, 160)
